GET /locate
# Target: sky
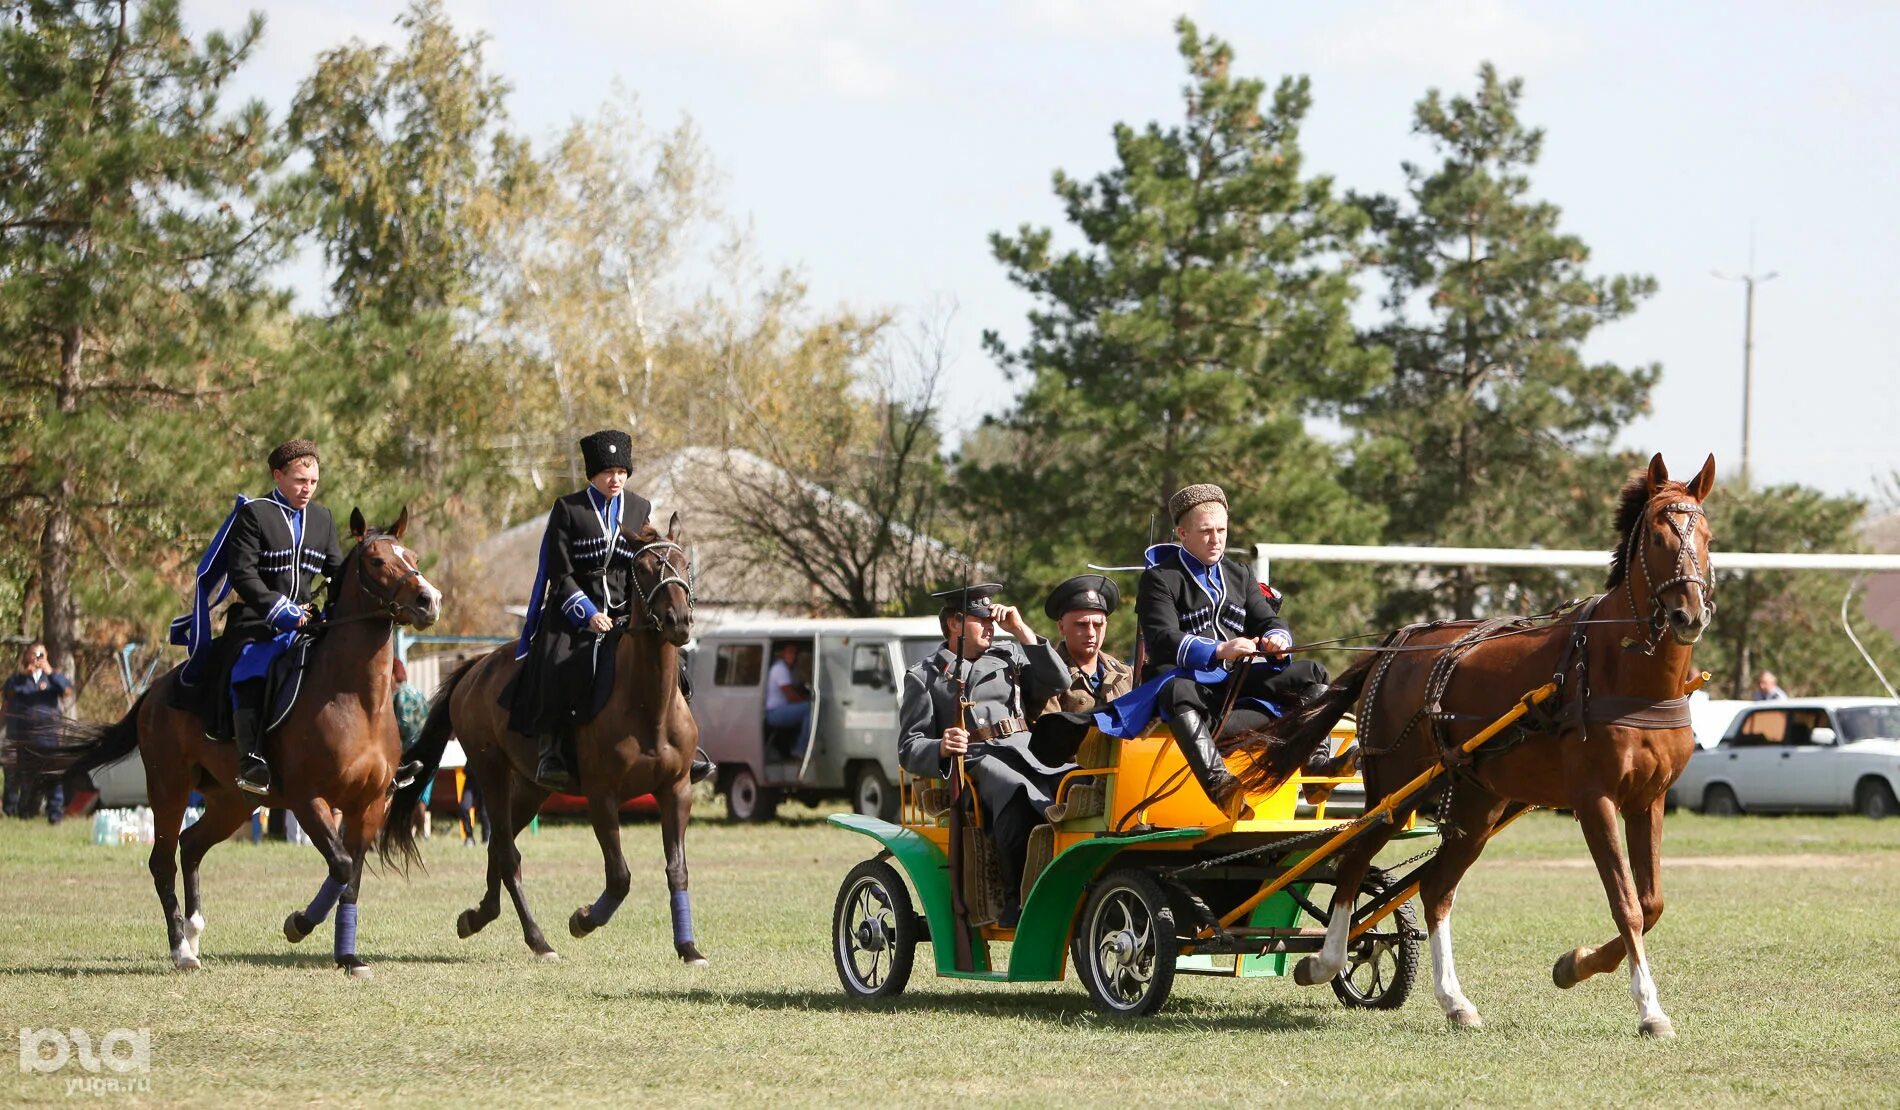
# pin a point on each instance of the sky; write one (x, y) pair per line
(876, 146)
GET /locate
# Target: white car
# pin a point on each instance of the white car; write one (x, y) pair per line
(1800, 754)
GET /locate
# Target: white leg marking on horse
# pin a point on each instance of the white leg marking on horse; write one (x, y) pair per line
(1451, 997)
(1649, 1011)
(194, 931)
(183, 958)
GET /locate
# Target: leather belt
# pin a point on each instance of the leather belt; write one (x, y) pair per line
(1008, 726)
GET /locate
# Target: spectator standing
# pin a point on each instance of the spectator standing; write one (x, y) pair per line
(1767, 689)
(411, 710)
(32, 698)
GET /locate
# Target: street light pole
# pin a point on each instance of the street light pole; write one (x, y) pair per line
(1749, 281)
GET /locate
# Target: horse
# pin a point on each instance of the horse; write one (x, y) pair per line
(336, 750)
(641, 742)
(1615, 742)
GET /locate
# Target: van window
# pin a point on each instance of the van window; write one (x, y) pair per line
(738, 664)
(871, 666)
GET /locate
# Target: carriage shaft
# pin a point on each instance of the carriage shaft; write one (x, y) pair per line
(1385, 809)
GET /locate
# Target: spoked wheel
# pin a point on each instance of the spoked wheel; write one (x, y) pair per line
(874, 931)
(1125, 946)
(1382, 963)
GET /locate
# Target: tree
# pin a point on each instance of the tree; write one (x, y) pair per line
(412, 183)
(1493, 430)
(135, 239)
(1202, 320)
(852, 488)
(1786, 621)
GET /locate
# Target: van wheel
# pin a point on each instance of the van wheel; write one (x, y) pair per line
(746, 800)
(872, 795)
(1874, 798)
(1719, 801)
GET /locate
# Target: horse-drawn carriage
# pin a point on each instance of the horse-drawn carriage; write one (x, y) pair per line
(1138, 878)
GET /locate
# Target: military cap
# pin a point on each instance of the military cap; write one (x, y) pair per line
(973, 599)
(1084, 591)
(1190, 496)
(604, 450)
(290, 451)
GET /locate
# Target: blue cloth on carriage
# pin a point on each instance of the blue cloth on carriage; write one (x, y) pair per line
(212, 585)
(1130, 715)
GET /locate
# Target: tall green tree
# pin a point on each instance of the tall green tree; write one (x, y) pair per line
(413, 174)
(1789, 622)
(1493, 430)
(135, 241)
(1201, 319)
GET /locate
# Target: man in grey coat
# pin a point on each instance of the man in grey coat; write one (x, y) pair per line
(969, 699)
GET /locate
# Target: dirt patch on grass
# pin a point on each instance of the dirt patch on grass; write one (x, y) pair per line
(1784, 861)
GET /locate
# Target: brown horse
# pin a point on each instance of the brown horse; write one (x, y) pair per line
(335, 751)
(1615, 743)
(641, 742)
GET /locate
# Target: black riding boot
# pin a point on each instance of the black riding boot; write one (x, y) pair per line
(1195, 737)
(551, 772)
(248, 730)
(703, 766)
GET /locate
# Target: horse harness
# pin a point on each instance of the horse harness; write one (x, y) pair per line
(1574, 706)
(668, 577)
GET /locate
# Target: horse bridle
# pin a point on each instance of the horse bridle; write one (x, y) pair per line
(668, 577)
(387, 608)
(1688, 569)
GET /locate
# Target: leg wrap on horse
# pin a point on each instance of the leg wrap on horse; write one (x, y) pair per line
(603, 909)
(682, 918)
(346, 930)
(320, 906)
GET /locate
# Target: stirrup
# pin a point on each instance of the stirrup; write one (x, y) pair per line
(248, 784)
(406, 774)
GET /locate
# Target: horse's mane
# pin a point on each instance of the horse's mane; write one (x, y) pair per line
(1632, 502)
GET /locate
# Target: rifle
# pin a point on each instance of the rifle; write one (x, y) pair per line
(960, 910)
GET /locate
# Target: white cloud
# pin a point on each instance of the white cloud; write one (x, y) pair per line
(1141, 20)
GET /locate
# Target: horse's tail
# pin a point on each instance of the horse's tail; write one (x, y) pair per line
(396, 844)
(1283, 747)
(85, 748)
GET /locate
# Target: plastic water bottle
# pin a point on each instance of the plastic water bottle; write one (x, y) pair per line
(101, 823)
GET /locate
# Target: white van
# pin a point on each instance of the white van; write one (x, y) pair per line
(854, 670)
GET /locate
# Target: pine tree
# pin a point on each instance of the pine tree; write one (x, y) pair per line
(135, 236)
(1493, 430)
(1203, 319)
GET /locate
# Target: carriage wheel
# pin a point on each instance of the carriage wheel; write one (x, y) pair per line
(874, 931)
(1381, 965)
(1125, 944)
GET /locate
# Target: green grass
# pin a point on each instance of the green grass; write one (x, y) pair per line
(1777, 959)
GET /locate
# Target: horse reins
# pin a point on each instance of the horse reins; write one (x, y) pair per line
(669, 576)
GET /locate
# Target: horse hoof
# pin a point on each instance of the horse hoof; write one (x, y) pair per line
(186, 962)
(1657, 1028)
(1564, 972)
(1309, 972)
(579, 924)
(465, 924)
(690, 955)
(549, 957)
(359, 971)
(1464, 1019)
(295, 928)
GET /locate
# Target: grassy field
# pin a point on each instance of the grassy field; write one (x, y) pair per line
(1777, 959)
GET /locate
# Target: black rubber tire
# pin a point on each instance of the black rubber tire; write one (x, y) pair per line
(1117, 906)
(1873, 799)
(746, 800)
(873, 915)
(1379, 975)
(872, 794)
(1720, 801)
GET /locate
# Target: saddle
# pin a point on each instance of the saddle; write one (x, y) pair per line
(283, 682)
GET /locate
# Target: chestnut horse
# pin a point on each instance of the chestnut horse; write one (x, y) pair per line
(336, 750)
(641, 742)
(1614, 744)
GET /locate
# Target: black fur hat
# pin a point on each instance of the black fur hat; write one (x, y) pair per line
(607, 449)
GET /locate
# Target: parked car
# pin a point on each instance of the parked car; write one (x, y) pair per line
(1800, 755)
(854, 670)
